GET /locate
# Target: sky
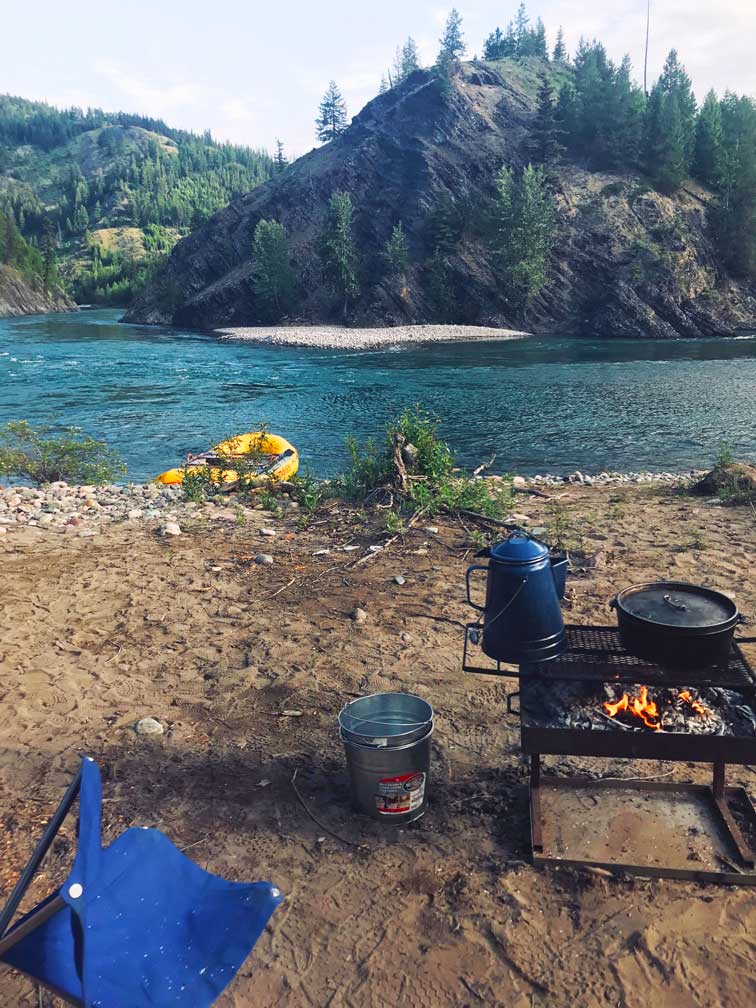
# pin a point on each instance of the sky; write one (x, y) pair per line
(252, 72)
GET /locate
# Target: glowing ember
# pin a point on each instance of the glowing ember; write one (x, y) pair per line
(697, 706)
(640, 706)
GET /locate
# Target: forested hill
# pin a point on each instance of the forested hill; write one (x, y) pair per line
(530, 188)
(112, 192)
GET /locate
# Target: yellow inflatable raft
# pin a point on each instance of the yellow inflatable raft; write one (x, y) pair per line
(270, 458)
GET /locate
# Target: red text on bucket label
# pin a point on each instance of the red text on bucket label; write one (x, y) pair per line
(400, 794)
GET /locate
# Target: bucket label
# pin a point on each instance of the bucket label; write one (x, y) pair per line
(397, 795)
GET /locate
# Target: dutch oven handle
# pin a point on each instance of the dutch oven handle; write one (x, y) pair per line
(613, 603)
(469, 571)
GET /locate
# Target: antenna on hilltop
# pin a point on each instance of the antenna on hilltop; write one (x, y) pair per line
(645, 58)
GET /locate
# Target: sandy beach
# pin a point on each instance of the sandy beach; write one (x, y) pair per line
(246, 667)
(342, 338)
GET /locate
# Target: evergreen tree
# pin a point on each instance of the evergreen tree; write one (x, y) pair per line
(526, 225)
(272, 276)
(332, 115)
(560, 50)
(383, 87)
(665, 140)
(675, 81)
(538, 41)
(452, 41)
(708, 156)
(734, 218)
(338, 251)
(493, 45)
(544, 143)
(521, 31)
(280, 160)
(396, 251)
(49, 267)
(406, 61)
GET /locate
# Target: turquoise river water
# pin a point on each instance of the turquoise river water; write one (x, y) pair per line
(542, 405)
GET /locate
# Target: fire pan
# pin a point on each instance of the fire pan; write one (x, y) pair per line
(651, 829)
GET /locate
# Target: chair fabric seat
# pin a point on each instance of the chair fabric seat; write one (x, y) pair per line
(143, 925)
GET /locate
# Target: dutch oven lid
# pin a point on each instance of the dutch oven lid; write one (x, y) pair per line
(677, 604)
(519, 547)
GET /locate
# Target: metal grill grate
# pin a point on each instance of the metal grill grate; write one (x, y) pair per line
(595, 653)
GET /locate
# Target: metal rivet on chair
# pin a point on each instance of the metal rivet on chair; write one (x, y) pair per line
(75, 890)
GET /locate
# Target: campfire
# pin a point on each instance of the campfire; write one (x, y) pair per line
(647, 710)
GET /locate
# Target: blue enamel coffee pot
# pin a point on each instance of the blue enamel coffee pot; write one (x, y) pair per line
(522, 620)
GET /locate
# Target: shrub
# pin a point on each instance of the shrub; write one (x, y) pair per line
(414, 470)
(69, 455)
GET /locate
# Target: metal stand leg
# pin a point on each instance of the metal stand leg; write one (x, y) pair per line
(536, 830)
(719, 795)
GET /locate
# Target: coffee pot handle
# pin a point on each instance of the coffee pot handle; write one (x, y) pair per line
(474, 567)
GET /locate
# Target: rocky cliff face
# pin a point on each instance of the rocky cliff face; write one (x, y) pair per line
(627, 261)
(18, 297)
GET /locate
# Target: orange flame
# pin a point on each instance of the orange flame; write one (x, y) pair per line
(697, 706)
(640, 706)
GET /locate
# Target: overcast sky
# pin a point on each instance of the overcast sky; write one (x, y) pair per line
(252, 71)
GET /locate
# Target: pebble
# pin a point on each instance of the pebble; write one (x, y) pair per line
(172, 528)
(264, 558)
(268, 532)
(359, 615)
(398, 579)
(149, 726)
(433, 529)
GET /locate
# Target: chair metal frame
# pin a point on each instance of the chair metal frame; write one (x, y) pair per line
(8, 940)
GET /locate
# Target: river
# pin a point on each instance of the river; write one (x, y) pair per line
(541, 405)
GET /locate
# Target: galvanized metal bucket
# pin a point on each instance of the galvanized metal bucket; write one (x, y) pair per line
(387, 740)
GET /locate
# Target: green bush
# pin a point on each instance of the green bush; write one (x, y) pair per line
(433, 485)
(70, 455)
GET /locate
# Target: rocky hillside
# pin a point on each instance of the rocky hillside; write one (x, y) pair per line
(627, 261)
(20, 297)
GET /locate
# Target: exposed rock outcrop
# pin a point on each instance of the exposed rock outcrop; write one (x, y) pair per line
(627, 262)
(19, 297)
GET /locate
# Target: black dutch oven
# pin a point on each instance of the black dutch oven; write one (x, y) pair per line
(677, 624)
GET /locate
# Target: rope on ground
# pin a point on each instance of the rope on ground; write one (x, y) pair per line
(322, 825)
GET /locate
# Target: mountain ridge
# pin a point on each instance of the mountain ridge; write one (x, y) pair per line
(627, 260)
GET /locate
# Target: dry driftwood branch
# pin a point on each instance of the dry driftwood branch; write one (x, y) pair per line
(484, 465)
(400, 477)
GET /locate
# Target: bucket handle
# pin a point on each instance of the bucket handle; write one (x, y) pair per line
(387, 724)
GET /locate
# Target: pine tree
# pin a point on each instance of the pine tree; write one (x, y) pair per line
(525, 233)
(332, 115)
(538, 41)
(383, 87)
(521, 31)
(493, 45)
(272, 276)
(708, 157)
(452, 41)
(674, 80)
(396, 251)
(406, 61)
(734, 218)
(544, 144)
(49, 266)
(560, 50)
(338, 250)
(280, 160)
(665, 140)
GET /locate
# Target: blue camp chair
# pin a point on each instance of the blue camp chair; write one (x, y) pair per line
(134, 924)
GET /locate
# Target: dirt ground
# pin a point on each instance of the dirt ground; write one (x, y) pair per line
(96, 633)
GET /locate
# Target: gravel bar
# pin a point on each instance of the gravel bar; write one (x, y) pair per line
(342, 338)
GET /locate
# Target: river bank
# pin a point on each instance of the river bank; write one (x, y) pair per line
(343, 338)
(84, 510)
(245, 666)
